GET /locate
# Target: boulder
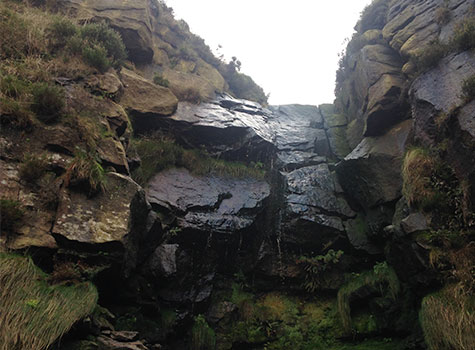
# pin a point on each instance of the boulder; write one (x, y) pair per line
(107, 84)
(104, 220)
(414, 222)
(143, 98)
(370, 174)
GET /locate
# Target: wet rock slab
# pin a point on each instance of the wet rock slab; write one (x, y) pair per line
(208, 203)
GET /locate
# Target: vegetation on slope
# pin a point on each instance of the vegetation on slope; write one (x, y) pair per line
(34, 313)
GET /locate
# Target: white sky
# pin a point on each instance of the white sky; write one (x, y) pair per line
(290, 48)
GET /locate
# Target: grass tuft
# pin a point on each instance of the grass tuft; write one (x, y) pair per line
(160, 80)
(86, 169)
(447, 318)
(35, 314)
(33, 167)
(417, 169)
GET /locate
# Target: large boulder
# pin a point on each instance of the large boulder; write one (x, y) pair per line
(115, 220)
(371, 173)
(144, 98)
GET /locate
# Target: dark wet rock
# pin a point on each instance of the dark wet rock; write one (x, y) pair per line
(357, 232)
(414, 222)
(438, 92)
(299, 128)
(163, 262)
(370, 174)
(313, 211)
(220, 310)
(208, 203)
(292, 160)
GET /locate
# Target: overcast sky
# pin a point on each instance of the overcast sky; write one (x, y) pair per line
(290, 48)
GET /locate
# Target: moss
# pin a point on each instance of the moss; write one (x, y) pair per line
(382, 278)
(202, 335)
(34, 313)
(447, 318)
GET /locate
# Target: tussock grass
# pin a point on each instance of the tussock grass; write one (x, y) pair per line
(34, 314)
(417, 169)
(85, 169)
(11, 213)
(382, 278)
(160, 153)
(448, 319)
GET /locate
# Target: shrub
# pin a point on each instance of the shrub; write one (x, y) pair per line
(96, 56)
(13, 35)
(48, 101)
(85, 169)
(417, 169)
(11, 213)
(373, 16)
(442, 15)
(468, 89)
(13, 87)
(61, 30)
(190, 94)
(15, 114)
(33, 167)
(202, 335)
(34, 314)
(101, 34)
(447, 319)
(160, 80)
(464, 35)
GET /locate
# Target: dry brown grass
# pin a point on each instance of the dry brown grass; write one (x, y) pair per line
(417, 169)
(34, 315)
(447, 318)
